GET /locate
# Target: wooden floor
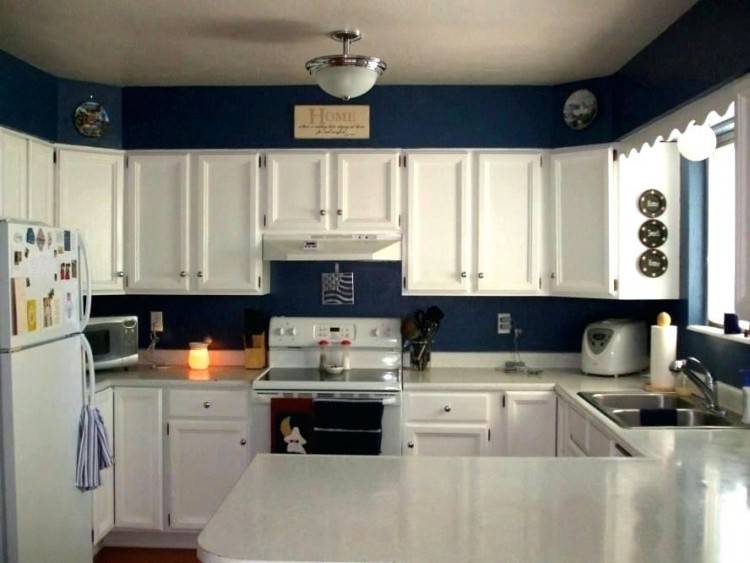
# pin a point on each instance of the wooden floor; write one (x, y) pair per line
(138, 555)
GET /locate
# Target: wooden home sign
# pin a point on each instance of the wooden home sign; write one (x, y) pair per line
(332, 122)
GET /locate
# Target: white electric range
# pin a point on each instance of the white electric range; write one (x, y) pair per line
(361, 361)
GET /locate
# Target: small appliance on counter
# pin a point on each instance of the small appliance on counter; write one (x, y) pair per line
(614, 347)
(114, 341)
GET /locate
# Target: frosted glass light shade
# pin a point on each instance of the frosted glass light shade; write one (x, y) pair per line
(697, 143)
(346, 82)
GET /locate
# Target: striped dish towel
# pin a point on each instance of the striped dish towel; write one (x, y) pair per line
(94, 453)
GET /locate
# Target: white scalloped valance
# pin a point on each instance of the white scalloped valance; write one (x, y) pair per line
(710, 109)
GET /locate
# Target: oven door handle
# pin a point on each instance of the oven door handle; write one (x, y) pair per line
(266, 398)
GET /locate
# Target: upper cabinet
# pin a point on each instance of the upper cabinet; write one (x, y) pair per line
(367, 191)
(583, 197)
(41, 182)
(14, 157)
(228, 244)
(473, 233)
(316, 191)
(437, 239)
(159, 222)
(89, 195)
(297, 186)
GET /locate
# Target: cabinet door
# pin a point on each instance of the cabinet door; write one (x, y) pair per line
(229, 252)
(13, 175)
(104, 496)
(206, 459)
(584, 223)
(367, 191)
(41, 182)
(138, 458)
(297, 186)
(89, 196)
(531, 423)
(437, 229)
(508, 205)
(159, 222)
(446, 439)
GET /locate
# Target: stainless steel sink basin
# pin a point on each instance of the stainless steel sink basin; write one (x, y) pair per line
(658, 410)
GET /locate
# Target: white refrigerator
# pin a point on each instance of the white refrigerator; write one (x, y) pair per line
(43, 374)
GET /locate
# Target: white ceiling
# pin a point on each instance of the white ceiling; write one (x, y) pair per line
(201, 42)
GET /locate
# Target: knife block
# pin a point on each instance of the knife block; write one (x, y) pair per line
(255, 357)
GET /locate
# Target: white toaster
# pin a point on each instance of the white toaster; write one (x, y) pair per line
(614, 347)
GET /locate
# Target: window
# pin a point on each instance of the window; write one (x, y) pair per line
(720, 257)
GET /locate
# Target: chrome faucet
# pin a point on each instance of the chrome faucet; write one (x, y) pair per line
(693, 368)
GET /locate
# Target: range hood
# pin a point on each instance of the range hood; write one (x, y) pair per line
(330, 247)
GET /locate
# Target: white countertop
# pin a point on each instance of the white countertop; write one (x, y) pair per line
(147, 376)
(687, 500)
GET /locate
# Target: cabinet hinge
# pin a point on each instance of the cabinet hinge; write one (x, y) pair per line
(169, 519)
(265, 161)
(127, 281)
(503, 401)
(92, 535)
(541, 162)
(399, 220)
(402, 161)
(258, 282)
(615, 154)
(260, 161)
(616, 284)
(167, 429)
(540, 282)
(127, 161)
(489, 434)
(404, 282)
(265, 220)
(54, 157)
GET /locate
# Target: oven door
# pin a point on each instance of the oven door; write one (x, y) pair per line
(260, 441)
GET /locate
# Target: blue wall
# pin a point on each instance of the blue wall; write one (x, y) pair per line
(549, 324)
(28, 98)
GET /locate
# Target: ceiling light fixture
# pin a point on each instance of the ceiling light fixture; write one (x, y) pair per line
(346, 76)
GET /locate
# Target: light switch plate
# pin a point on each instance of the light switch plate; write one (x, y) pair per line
(504, 323)
(157, 321)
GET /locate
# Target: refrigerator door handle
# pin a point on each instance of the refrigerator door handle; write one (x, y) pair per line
(85, 305)
(89, 371)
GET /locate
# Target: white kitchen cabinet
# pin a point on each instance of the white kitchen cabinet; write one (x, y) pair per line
(583, 193)
(367, 191)
(507, 200)
(138, 458)
(90, 199)
(297, 186)
(228, 243)
(159, 222)
(530, 423)
(14, 158)
(206, 458)
(41, 182)
(437, 240)
(104, 496)
(446, 439)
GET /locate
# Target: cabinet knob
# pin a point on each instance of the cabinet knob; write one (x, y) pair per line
(120, 274)
(199, 274)
(323, 212)
(481, 275)
(447, 408)
(206, 404)
(552, 276)
(243, 442)
(410, 444)
(464, 274)
(339, 212)
(183, 274)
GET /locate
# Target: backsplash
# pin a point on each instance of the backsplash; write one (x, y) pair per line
(550, 324)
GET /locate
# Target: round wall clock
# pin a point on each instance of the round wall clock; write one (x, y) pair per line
(653, 233)
(90, 118)
(653, 263)
(652, 203)
(580, 109)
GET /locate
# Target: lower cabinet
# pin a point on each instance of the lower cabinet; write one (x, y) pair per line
(104, 496)
(206, 458)
(139, 466)
(530, 423)
(578, 436)
(446, 439)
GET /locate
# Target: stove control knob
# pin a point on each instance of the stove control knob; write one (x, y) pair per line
(281, 331)
(376, 333)
(292, 331)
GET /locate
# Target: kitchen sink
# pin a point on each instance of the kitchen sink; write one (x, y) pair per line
(658, 410)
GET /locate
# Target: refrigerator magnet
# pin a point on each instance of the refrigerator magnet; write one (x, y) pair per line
(66, 238)
(31, 315)
(40, 240)
(30, 238)
(74, 269)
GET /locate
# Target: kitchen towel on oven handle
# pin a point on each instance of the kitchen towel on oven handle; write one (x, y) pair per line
(347, 427)
(291, 425)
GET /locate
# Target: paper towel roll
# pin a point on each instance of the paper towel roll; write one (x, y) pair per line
(663, 353)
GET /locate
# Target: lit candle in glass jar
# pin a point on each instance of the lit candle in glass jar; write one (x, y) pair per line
(198, 355)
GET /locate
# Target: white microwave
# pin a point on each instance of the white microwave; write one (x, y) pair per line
(114, 341)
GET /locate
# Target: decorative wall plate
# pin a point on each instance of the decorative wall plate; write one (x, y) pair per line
(90, 118)
(580, 109)
(653, 263)
(652, 203)
(653, 233)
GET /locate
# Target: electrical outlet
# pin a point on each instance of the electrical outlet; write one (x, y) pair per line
(157, 321)
(504, 323)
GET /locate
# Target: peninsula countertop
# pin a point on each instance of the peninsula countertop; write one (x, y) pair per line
(685, 500)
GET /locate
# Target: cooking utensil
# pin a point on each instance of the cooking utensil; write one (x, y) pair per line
(410, 330)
